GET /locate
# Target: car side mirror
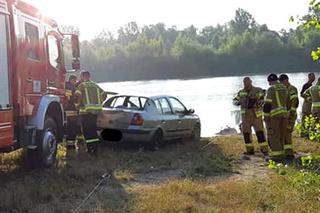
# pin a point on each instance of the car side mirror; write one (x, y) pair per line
(191, 111)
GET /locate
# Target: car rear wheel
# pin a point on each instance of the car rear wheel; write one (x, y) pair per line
(157, 140)
(196, 133)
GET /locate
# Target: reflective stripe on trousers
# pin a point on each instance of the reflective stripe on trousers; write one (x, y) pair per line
(71, 113)
(263, 144)
(288, 146)
(278, 111)
(276, 153)
(315, 104)
(92, 140)
(249, 145)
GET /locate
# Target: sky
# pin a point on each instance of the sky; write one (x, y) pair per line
(95, 15)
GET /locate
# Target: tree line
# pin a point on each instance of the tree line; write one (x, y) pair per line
(239, 47)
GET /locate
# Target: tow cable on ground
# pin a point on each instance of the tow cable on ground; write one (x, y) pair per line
(208, 144)
(104, 177)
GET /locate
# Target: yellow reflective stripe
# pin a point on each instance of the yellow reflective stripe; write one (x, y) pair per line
(68, 93)
(260, 94)
(293, 96)
(276, 153)
(264, 144)
(266, 114)
(278, 98)
(268, 100)
(99, 107)
(278, 111)
(92, 140)
(241, 94)
(87, 95)
(98, 95)
(70, 142)
(249, 145)
(80, 137)
(243, 111)
(315, 104)
(88, 108)
(77, 92)
(259, 114)
(71, 113)
(82, 110)
(288, 146)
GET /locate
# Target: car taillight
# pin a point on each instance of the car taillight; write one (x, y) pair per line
(137, 119)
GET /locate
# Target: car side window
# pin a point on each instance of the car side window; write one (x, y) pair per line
(158, 106)
(118, 102)
(133, 103)
(177, 106)
(166, 109)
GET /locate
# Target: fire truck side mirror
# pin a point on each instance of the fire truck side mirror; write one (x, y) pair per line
(75, 46)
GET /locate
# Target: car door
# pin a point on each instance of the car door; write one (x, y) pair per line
(6, 113)
(184, 119)
(169, 121)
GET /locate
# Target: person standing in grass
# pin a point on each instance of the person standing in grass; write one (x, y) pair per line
(71, 112)
(313, 95)
(306, 106)
(276, 117)
(90, 97)
(250, 100)
(292, 106)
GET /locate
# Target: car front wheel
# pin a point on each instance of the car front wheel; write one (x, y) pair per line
(196, 133)
(47, 144)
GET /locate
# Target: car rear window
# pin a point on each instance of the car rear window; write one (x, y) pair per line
(127, 102)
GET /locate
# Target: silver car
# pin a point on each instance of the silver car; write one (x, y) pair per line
(147, 119)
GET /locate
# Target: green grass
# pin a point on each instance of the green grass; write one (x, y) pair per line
(194, 186)
(63, 187)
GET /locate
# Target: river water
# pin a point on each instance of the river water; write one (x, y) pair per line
(210, 97)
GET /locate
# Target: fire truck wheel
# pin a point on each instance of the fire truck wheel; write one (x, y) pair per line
(47, 141)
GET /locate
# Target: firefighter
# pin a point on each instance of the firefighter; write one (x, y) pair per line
(71, 112)
(89, 97)
(275, 115)
(306, 106)
(80, 136)
(250, 100)
(292, 106)
(313, 95)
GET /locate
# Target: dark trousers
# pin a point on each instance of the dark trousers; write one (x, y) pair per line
(89, 128)
(72, 128)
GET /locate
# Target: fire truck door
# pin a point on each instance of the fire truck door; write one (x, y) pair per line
(6, 114)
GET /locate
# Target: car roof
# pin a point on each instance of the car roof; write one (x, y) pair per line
(143, 96)
(160, 96)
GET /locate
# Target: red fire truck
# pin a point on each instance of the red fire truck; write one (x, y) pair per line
(32, 79)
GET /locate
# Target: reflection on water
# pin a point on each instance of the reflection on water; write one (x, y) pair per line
(210, 97)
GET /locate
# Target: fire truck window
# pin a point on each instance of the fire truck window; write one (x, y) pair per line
(32, 39)
(53, 51)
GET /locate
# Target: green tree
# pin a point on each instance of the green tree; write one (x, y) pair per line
(242, 22)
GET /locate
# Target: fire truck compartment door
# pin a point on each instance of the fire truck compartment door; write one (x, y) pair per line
(6, 116)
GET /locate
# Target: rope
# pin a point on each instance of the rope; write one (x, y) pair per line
(104, 177)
